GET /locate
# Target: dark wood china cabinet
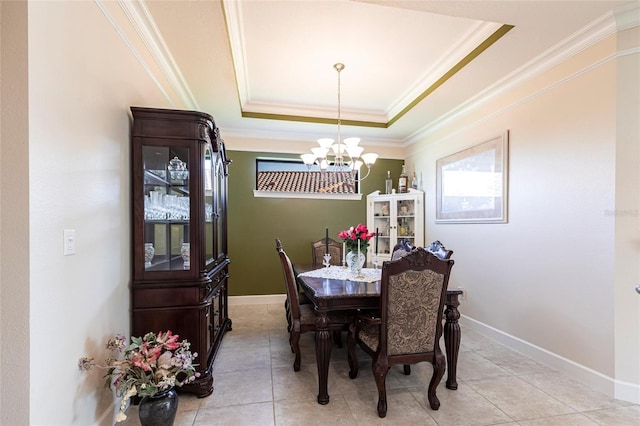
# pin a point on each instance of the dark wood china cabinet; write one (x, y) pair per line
(180, 262)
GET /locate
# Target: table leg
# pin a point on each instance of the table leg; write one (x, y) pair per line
(323, 355)
(452, 336)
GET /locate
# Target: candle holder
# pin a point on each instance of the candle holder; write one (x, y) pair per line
(375, 261)
(327, 260)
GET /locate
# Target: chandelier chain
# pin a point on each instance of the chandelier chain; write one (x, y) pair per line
(339, 67)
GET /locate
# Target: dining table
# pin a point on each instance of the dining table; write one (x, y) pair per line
(336, 288)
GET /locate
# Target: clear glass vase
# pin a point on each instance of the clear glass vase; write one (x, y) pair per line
(353, 263)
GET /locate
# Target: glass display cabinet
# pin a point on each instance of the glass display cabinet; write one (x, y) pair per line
(180, 262)
(395, 217)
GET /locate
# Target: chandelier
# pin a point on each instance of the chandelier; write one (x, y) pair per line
(338, 168)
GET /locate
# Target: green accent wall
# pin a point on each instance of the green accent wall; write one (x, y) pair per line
(255, 223)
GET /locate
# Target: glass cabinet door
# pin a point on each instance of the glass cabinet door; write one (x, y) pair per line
(395, 217)
(219, 207)
(208, 186)
(166, 208)
(382, 225)
(406, 220)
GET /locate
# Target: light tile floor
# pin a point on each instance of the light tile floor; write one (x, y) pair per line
(254, 384)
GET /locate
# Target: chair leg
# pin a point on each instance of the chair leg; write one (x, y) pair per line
(294, 339)
(380, 369)
(407, 369)
(438, 371)
(352, 358)
(287, 312)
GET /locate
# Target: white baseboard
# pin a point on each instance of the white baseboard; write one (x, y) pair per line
(257, 299)
(613, 388)
(626, 391)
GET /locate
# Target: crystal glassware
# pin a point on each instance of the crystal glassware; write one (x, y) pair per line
(359, 274)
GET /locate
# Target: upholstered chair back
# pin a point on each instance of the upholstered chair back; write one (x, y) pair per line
(414, 304)
(413, 291)
(290, 282)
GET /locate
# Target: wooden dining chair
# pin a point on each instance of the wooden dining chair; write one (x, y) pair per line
(402, 248)
(439, 250)
(408, 330)
(319, 248)
(302, 317)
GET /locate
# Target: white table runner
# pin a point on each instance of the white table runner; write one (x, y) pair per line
(368, 275)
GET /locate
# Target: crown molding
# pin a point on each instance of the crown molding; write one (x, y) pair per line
(312, 114)
(104, 8)
(235, 30)
(582, 39)
(471, 44)
(301, 137)
(497, 35)
(146, 29)
(142, 22)
(627, 16)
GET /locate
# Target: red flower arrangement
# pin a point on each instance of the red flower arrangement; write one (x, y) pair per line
(354, 234)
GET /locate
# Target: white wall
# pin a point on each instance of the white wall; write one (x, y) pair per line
(627, 208)
(83, 78)
(544, 282)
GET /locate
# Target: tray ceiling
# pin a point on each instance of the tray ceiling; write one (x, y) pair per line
(264, 69)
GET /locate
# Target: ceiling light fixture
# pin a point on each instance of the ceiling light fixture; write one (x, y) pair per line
(339, 167)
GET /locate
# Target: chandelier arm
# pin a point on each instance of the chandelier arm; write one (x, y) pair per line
(362, 178)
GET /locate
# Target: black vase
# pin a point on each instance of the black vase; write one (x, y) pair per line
(160, 409)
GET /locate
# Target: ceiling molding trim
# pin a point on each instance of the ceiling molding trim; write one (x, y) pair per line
(312, 111)
(318, 120)
(271, 111)
(627, 52)
(232, 145)
(147, 30)
(627, 16)
(582, 39)
(482, 36)
(497, 35)
(134, 51)
(523, 100)
(233, 17)
(305, 138)
(484, 45)
(470, 40)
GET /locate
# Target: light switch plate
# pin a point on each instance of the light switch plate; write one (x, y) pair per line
(69, 242)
